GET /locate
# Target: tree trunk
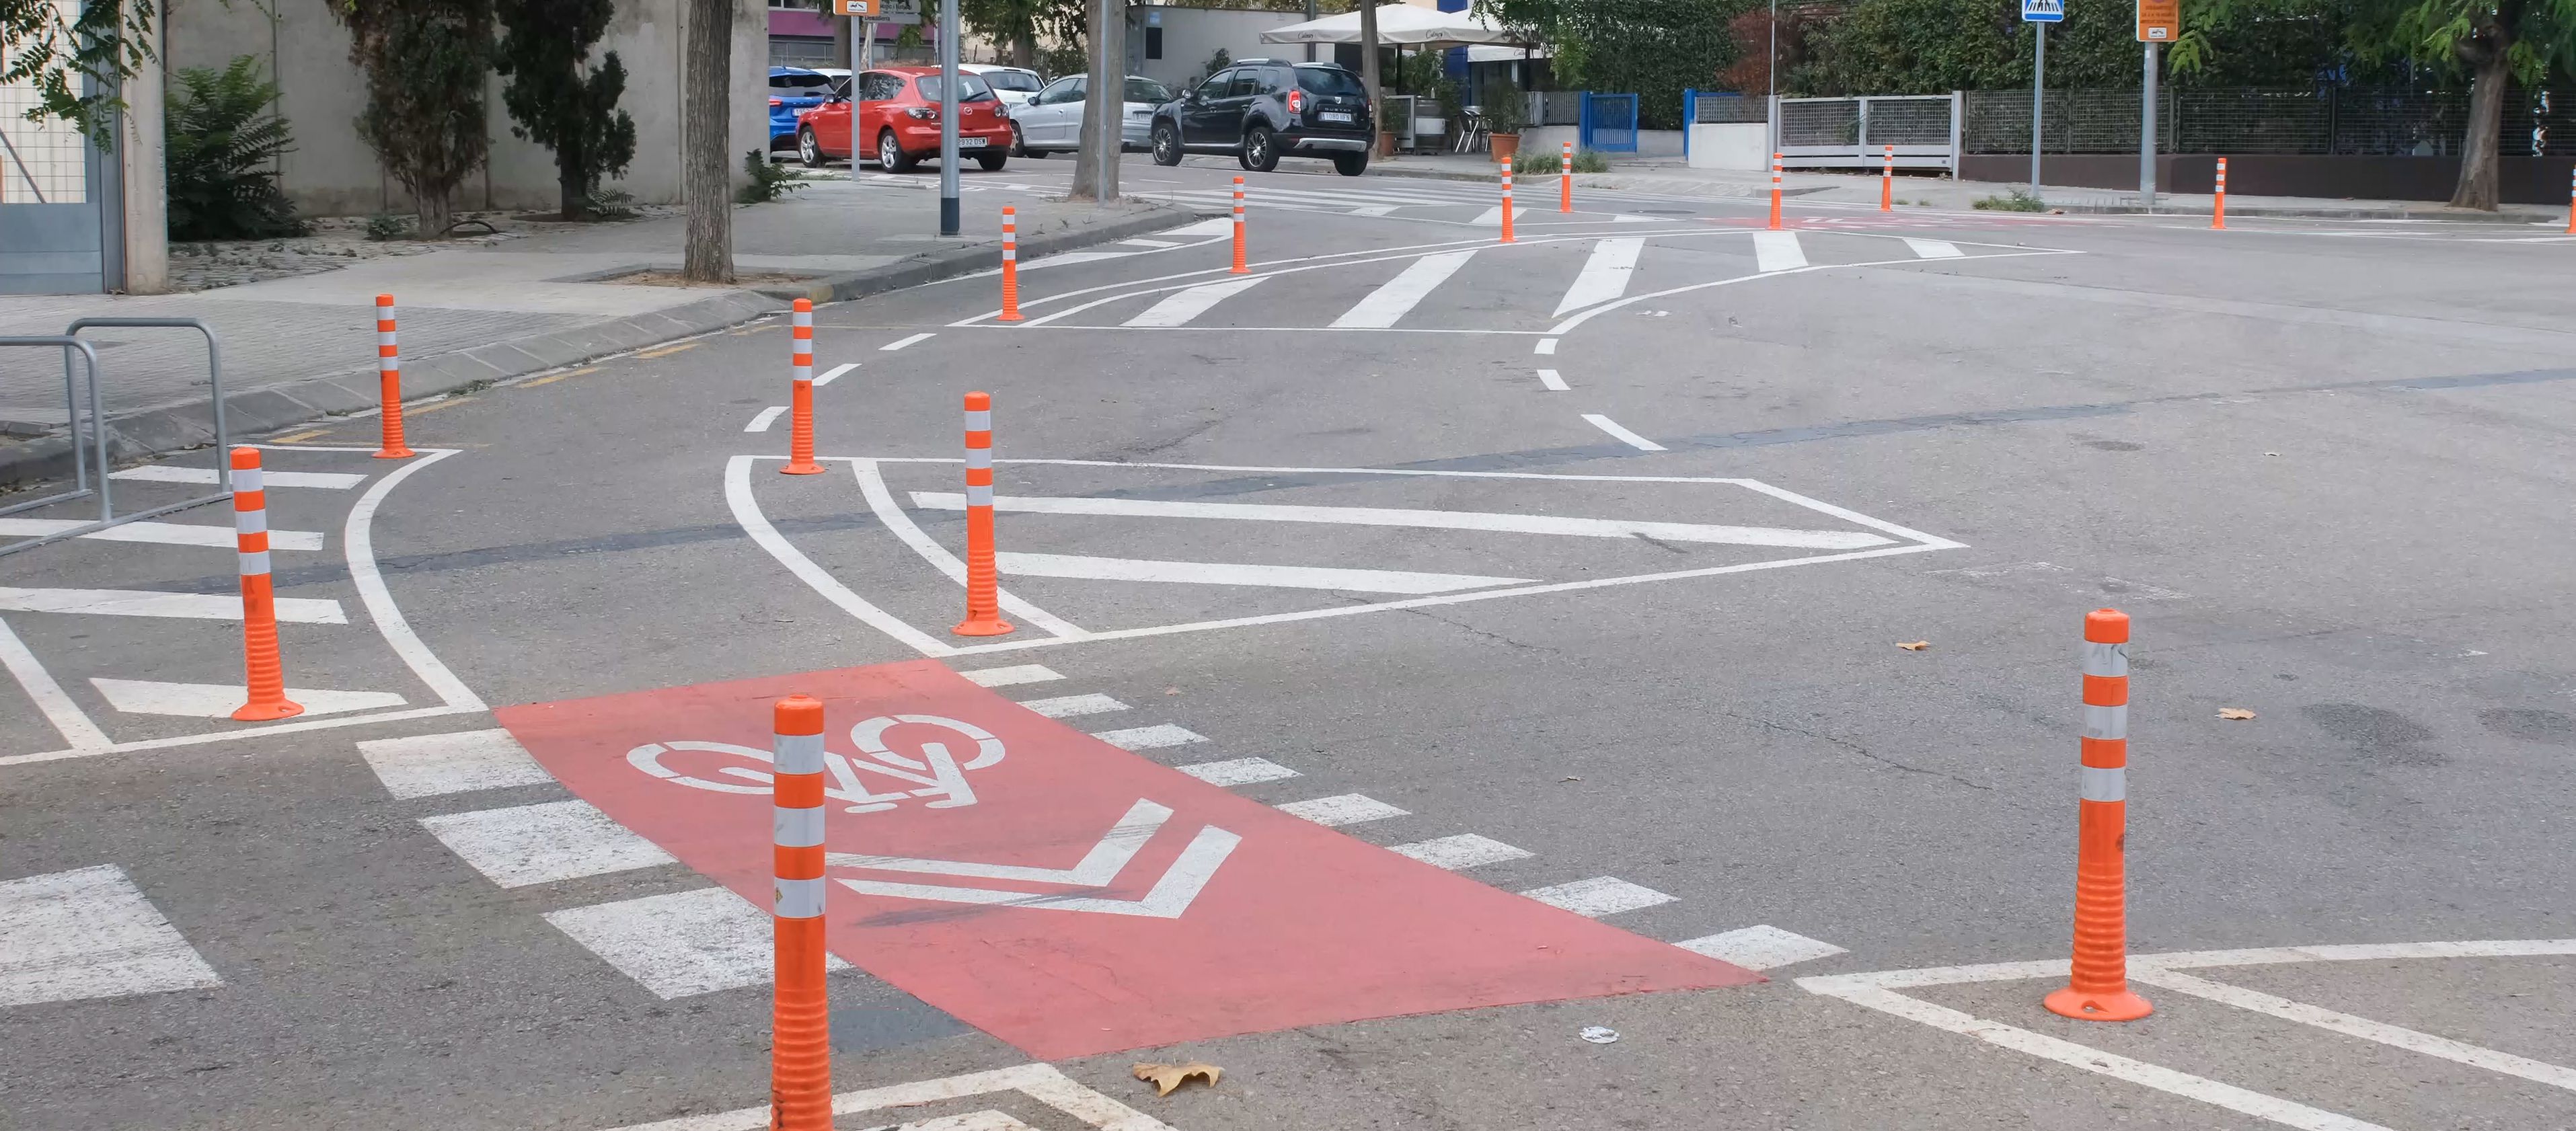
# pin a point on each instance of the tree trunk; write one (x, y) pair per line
(706, 81)
(841, 40)
(1095, 170)
(1024, 51)
(431, 212)
(1368, 68)
(2478, 186)
(576, 201)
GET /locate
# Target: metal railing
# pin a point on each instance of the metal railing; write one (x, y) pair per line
(2333, 121)
(1830, 133)
(70, 341)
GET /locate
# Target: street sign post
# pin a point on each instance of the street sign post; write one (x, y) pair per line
(2040, 14)
(2159, 21)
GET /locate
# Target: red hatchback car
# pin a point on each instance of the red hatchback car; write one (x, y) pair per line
(897, 120)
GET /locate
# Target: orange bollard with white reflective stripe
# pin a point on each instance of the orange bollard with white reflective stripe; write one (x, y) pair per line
(1565, 180)
(389, 382)
(1887, 183)
(800, 398)
(1507, 202)
(1010, 265)
(1238, 268)
(262, 671)
(800, 1042)
(983, 578)
(2097, 987)
(2218, 202)
(1775, 192)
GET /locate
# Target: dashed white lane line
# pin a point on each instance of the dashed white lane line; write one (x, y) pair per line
(1465, 850)
(1935, 249)
(1344, 809)
(1599, 896)
(1397, 297)
(152, 603)
(1149, 738)
(681, 944)
(1015, 674)
(535, 844)
(90, 933)
(159, 473)
(761, 420)
(1623, 435)
(428, 765)
(1552, 381)
(1229, 573)
(1238, 771)
(1777, 251)
(162, 533)
(1545, 346)
(1605, 275)
(834, 373)
(217, 700)
(1178, 308)
(899, 343)
(1763, 947)
(1071, 706)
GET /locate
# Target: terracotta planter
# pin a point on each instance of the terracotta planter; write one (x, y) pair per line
(1506, 146)
(1386, 143)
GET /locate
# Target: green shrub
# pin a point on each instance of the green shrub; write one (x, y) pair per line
(223, 139)
(1540, 161)
(387, 226)
(769, 181)
(2019, 201)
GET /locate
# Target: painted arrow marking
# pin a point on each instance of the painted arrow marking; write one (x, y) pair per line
(1170, 896)
(1099, 866)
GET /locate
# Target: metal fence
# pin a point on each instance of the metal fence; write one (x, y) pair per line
(1609, 123)
(2364, 122)
(1824, 133)
(1702, 107)
(1555, 107)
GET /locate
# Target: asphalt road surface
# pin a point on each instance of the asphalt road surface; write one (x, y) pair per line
(1575, 571)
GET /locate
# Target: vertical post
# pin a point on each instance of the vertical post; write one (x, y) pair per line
(2097, 987)
(983, 579)
(949, 219)
(1565, 181)
(1239, 268)
(2038, 109)
(1690, 117)
(1887, 183)
(1507, 202)
(1775, 192)
(1860, 144)
(1010, 265)
(2147, 133)
(2218, 201)
(2571, 202)
(800, 401)
(800, 1042)
(389, 382)
(264, 675)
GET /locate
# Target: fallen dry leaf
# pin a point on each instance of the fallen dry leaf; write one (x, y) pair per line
(1165, 1077)
(1916, 646)
(2234, 713)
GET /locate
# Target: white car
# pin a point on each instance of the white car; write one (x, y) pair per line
(1052, 122)
(1015, 86)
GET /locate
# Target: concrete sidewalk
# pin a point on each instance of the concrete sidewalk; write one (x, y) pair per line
(302, 348)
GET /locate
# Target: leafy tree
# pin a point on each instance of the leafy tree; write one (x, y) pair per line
(1023, 23)
(555, 103)
(1651, 48)
(1937, 46)
(425, 63)
(2494, 41)
(109, 42)
(223, 137)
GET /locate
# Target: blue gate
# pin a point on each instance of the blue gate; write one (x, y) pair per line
(1609, 122)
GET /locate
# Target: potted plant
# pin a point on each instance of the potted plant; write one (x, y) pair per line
(1506, 110)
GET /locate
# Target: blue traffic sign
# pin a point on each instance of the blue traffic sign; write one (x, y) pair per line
(2043, 11)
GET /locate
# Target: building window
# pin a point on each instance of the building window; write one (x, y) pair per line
(1153, 43)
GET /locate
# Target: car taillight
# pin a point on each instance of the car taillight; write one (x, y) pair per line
(776, 102)
(925, 113)
(1296, 102)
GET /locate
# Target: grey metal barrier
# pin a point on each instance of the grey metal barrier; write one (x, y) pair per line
(81, 472)
(1854, 133)
(70, 340)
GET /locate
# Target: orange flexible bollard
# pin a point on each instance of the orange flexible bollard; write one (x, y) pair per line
(1507, 202)
(264, 674)
(2218, 202)
(1565, 181)
(1010, 265)
(1775, 192)
(983, 579)
(1238, 268)
(2097, 987)
(800, 1042)
(1887, 183)
(800, 401)
(389, 382)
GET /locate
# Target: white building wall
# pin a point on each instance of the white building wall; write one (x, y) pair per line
(1192, 35)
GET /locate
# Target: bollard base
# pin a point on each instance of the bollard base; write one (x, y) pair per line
(801, 469)
(1008, 316)
(2120, 1006)
(395, 453)
(262, 712)
(993, 627)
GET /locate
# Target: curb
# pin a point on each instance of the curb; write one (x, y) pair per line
(2459, 216)
(1609, 185)
(949, 263)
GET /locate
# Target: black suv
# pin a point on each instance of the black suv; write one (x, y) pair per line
(1259, 109)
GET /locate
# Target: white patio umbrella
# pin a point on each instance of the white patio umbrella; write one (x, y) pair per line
(1398, 25)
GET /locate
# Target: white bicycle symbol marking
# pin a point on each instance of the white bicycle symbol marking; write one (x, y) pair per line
(937, 774)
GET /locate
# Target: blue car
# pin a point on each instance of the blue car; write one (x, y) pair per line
(793, 91)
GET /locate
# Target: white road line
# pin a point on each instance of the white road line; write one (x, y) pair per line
(51, 700)
(1069, 706)
(891, 516)
(1142, 242)
(1934, 249)
(899, 343)
(152, 603)
(746, 514)
(1760, 948)
(1605, 275)
(431, 765)
(218, 700)
(158, 473)
(90, 933)
(1424, 519)
(1598, 896)
(1777, 251)
(2460, 1052)
(536, 844)
(1545, 346)
(1006, 677)
(162, 533)
(1620, 434)
(1227, 573)
(828, 376)
(1465, 850)
(1550, 380)
(1587, 314)
(1342, 809)
(1179, 307)
(760, 421)
(1493, 217)
(1238, 771)
(1212, 226)
(1375, 210)
(1040, 1082)
(1149, 738)
(1397, 297)
(682, 944)
(358, 548)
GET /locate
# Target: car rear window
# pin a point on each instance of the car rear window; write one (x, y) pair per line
(969, 88)
(807, 81)
(1011, 80)
(1329, 81)
(1147, 90)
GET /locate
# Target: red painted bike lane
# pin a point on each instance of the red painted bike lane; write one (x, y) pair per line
(1065, 895)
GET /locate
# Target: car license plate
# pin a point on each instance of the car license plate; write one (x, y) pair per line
(970, 143)
(1335, 115)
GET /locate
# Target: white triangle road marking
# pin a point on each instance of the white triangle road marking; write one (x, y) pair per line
(1778, 251)
(1086, 568)
(1425, 519)
(217, 700)
(1928, 249)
